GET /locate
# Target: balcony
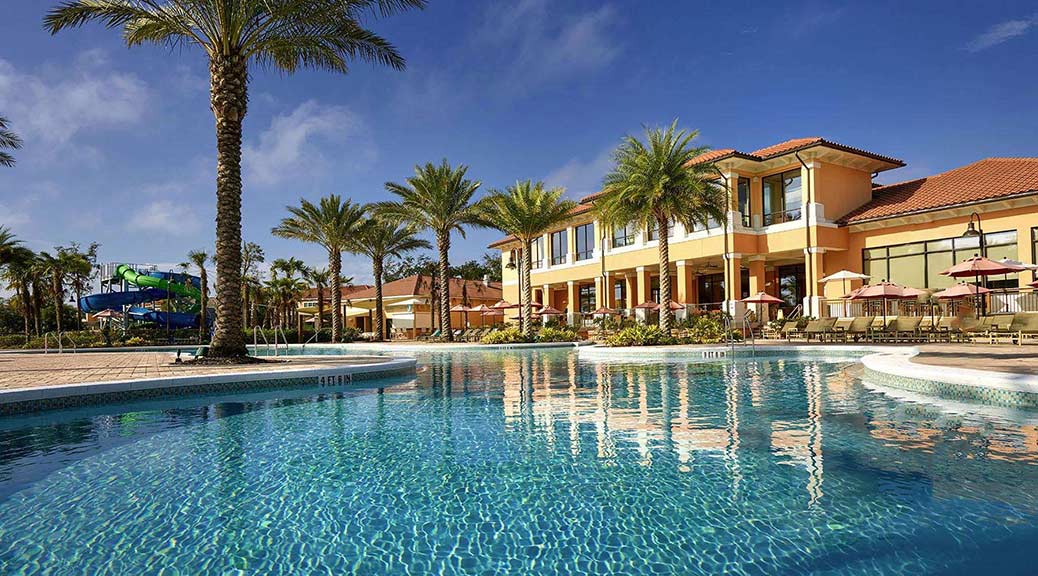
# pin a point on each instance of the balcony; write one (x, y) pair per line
(790, 215)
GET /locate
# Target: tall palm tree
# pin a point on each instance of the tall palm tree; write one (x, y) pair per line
(525, 210)
(656, 182)
(282, 34)
(19, 272)
(8, 141)
(319, 278)
(331, 223)
(199, 258)
(53, 268)
(437, 198)
(378, 239)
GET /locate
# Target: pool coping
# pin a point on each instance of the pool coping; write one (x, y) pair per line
(21, 400)
(433, 346)
(897, 370)
(716, 352)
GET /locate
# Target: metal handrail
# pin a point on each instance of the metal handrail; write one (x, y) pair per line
(284, 337)
(797, 311)
(58, 340)
(255, 341)
(745, 322)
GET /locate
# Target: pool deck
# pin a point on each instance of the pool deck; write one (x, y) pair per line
(18, 371)
(988, 358)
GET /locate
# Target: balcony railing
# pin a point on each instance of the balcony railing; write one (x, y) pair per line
(585, 255)
(556, 260)
(790, 215)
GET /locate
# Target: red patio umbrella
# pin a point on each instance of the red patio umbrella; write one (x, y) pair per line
(1034, 284)
(648, 305)
(978, 266)
(883, 291)
(761, 298)
(504, 304)
(961, 290)
(492, 312)
(548, 311)
(603, 311)
(672, 305)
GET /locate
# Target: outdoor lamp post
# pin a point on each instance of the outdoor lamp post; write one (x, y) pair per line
(976, 231)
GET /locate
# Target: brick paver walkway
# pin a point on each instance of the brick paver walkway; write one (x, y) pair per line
(34, 370)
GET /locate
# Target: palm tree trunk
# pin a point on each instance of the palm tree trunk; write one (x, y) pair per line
(55, 285)
(204, 302)
(335, 270)
(228, 76)
(319, 325)
(23, 291)
(443, 242)
(664, 246)
(380, 330)
(527, 291)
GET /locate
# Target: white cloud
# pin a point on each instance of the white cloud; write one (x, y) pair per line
(546, 46)
(165, 217)
(289, 146)
(1000, 33)
(581, 178)
(54, 104)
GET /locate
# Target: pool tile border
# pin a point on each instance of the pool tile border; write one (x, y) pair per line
(25, 400)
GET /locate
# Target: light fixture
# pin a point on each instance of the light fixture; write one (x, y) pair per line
(511, 260)
(973, 229)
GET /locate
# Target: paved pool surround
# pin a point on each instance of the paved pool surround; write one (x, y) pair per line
(35, 399)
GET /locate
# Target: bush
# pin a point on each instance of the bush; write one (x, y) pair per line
(641, 335)
(560, 334)
(510, 335)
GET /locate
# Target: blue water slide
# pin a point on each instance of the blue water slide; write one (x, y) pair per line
(176, 319)
(116, 300)
(178, 278)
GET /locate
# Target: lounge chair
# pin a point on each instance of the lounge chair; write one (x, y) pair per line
(819, 328)
(859, 328)
(928, 328)
(1000, 326)
(907, 328)
(790, 330)
(1025, 325)
(974, 328)
(840, 328)
(949, 328)
(882, 328)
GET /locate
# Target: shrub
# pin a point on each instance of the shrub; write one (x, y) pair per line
(560, 334)
(641, 335)
(510, 335)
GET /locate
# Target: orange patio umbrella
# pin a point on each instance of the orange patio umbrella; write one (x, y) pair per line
(961, 290)
(882, 291)
(603, 311)
(978, 266)
(762, 298)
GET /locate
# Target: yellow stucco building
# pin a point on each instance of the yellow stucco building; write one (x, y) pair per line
(799, 211)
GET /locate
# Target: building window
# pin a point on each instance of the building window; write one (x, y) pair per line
(792, 286)
(537, 252)
(654, 289)
(587, 298)
(623, 236)
(782, 197)
(710, 288)
(558, 247)
(585, 238)
(653, 229)
(1034, 247)
(620, 294)
(919, 264)
(744, 201)
(744, 281)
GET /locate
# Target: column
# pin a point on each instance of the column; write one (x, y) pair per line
(546, 295)
(683, 281)
(571, 245)
(632, 290)
(757, 283)
(733, 284)
(573, 304)
(546, 253)
(756, 202)
(601, 296)
(814, 271)
(644, 278)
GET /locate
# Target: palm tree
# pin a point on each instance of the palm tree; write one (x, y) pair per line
(251, 256)
(377, 239)
(9, 243)
(438, 198)
(525, 210)
(656, 182)
(285, 35)
(331, 222)
(199, 258)
(319, 278)
(8, 141)
(19, 272)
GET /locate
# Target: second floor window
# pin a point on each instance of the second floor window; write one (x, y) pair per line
(537, 252)
(654, 233)
(782, 199)
(585, 238)
(623, 236)
(558, 247)
(744, 201)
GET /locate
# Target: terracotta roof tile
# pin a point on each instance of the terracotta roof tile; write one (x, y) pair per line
(421, 285)
(987, 179)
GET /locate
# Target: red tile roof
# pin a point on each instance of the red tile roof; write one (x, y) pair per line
(988, 179)
(421, 285)
(343, 290)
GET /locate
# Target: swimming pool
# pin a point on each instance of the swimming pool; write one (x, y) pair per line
(527, 462)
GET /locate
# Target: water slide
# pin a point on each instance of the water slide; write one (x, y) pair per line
(155, 286)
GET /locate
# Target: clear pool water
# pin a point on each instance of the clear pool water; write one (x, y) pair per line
(528, 463)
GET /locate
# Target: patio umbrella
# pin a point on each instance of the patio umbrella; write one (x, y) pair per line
(978, 266)
(844, 276)
(961, 290)
(482, 309)
(672, 305)
(548, 311)
(492, 312)
(883, 291)
(603, 311)
(109, 313)
(1033, 284)
(504, 304)
(761, 298)
(462, 309)
(650, 305)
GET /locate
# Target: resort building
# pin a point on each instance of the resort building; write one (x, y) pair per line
(410, 304)
(799, 211)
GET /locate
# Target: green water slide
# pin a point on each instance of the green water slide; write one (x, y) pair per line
(145, 281)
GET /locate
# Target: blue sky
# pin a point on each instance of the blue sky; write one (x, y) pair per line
(120, 147)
